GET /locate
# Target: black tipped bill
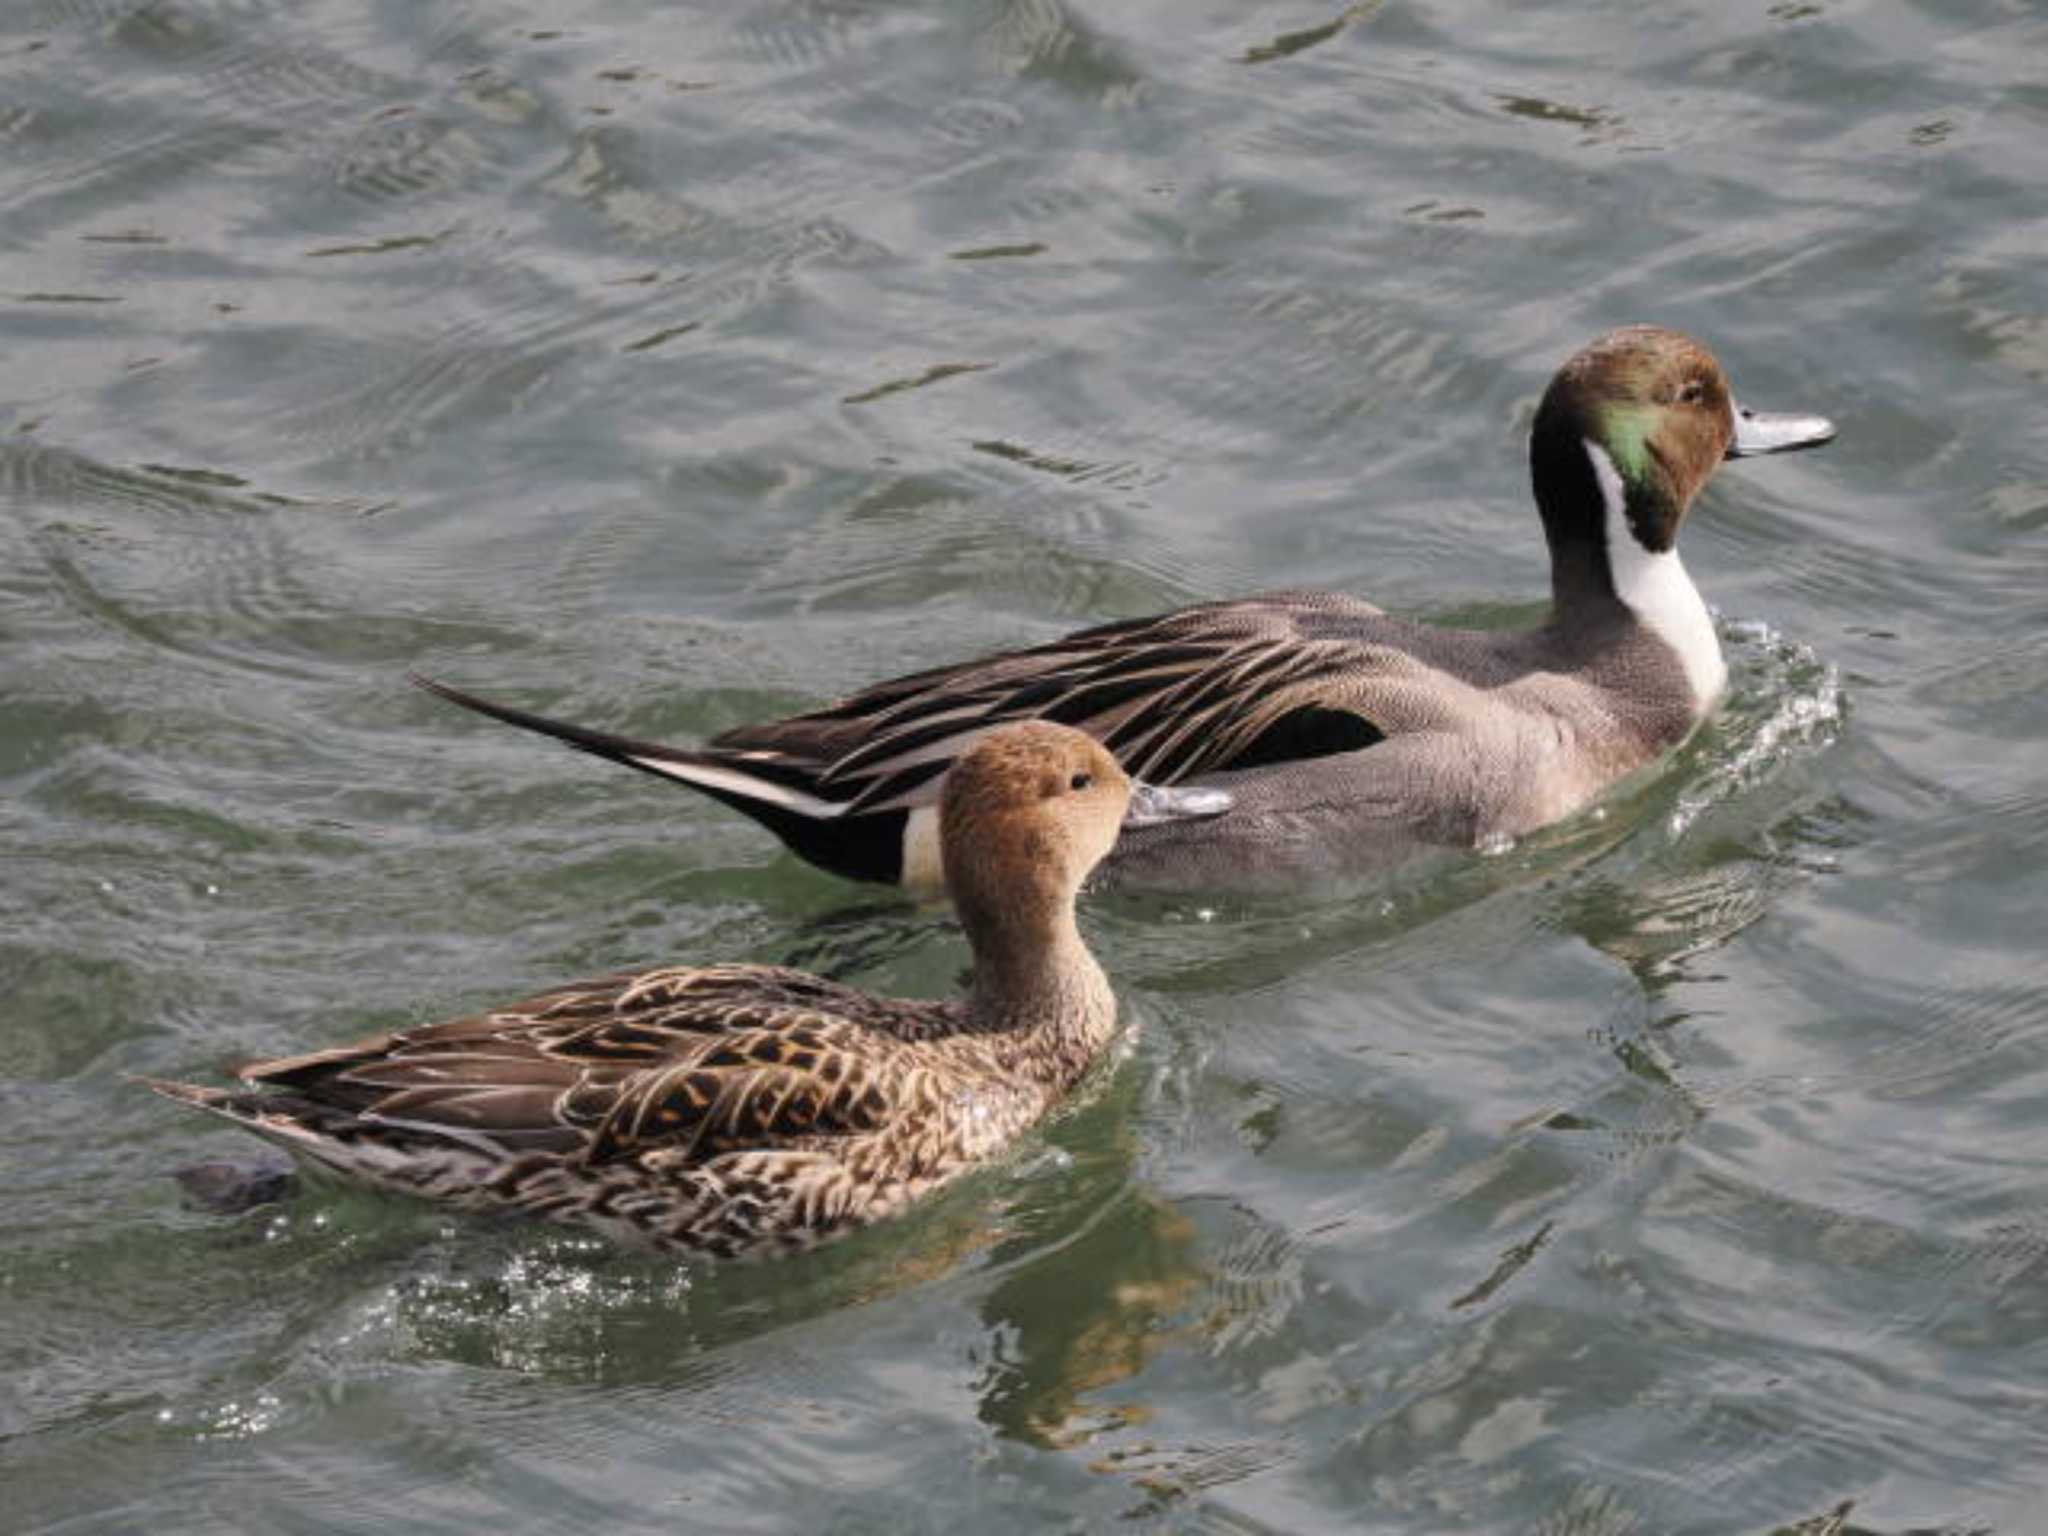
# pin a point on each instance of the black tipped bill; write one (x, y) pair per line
(1757, 432)
(1154, 803)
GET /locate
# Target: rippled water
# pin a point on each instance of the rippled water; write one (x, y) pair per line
(1678, 1171)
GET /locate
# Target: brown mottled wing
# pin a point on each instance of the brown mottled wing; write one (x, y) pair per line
(1218, 686)
(757, 1088)
(701, 1060)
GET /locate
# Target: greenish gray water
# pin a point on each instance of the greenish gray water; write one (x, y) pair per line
(672, 366)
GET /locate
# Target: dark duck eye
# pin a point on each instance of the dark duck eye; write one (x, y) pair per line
(1694, 392)
(1080, 781)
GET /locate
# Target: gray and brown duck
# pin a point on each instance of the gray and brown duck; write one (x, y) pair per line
(740, 1110)
(1349, 738)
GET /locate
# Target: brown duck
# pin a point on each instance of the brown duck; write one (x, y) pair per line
(739, 1110)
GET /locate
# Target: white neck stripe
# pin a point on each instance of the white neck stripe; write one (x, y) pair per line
(1657, 590)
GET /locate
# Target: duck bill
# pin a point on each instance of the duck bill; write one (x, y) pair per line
(1758, 432)
(1152, 804)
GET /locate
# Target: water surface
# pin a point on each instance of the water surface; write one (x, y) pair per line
(671, 366)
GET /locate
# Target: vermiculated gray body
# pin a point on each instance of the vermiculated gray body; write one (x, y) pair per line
(1487, 735)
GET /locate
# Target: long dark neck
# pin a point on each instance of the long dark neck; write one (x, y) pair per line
(1034, 978)
(1574, 521)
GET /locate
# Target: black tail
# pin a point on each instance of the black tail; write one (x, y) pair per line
(777, 791)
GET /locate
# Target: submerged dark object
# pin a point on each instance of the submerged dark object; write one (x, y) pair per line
(227, 1188)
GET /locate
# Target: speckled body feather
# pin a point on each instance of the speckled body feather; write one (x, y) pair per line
(730, 1110)
(740, 1110)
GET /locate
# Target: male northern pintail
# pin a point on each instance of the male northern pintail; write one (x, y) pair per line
(1349, 738)
(746, 1109)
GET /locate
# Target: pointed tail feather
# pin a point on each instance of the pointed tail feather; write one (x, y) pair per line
(735, 777)
(779, 792)
(266, 1118)
(214, 1099)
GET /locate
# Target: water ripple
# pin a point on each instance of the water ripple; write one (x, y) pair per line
(1673, 1171)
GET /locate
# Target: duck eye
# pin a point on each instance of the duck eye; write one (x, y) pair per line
(1694, 392)
(1080, 781)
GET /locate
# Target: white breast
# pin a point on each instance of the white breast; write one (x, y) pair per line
(1658, 591)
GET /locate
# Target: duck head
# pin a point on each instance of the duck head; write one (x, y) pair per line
(1032, 808)
(1635, 424)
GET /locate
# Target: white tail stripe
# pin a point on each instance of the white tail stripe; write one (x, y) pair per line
(734, 781)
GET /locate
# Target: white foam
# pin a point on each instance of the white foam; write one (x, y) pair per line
(1805, 711)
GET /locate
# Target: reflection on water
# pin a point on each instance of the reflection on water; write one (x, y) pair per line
(1673, 1171)
(1054, 1354)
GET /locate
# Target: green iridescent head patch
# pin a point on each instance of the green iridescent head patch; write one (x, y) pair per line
(1625, 434)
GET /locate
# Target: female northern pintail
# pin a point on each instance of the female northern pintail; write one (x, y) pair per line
(745, 1109)
(1349, 738)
